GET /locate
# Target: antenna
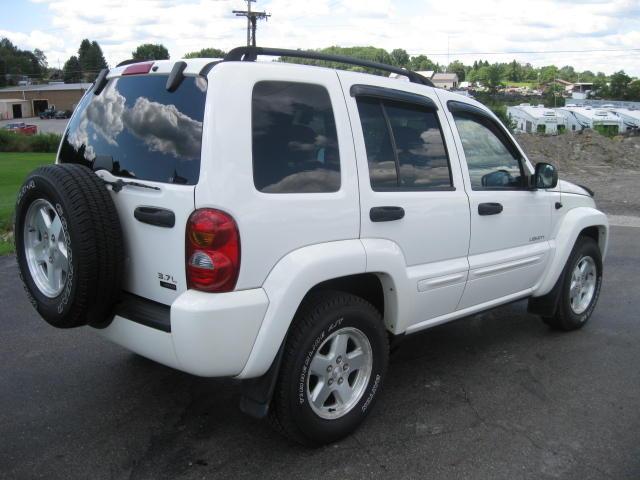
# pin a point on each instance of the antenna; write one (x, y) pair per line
(252, 21)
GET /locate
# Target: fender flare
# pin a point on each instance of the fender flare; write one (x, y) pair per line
(286, 286)
(564, 238)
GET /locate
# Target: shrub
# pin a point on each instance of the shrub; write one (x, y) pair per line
(41, 142)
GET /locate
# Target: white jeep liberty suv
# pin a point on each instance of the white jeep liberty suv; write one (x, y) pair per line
(283, 224)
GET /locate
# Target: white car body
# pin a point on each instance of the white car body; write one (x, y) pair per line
(442, 261)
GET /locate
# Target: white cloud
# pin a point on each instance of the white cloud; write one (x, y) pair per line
(431, 27)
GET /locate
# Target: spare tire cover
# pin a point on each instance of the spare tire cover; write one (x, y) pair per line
(69, 246)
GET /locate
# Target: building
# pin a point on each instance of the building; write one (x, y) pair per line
(536, 119)
(63, 96)
(630, 118)
(11, 108)
(579, 118)
(448, 81)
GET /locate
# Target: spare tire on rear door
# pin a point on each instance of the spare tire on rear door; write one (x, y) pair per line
(69, 245)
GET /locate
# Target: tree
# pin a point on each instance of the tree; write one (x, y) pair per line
(601, 85)
(514, 72)
(400, 57)
(458, 68)
(548, 74)
(422, 63)
(72, 71)
(41, 57)
(490, 76)
(149, 51)
(618, 85)
(633, 90)
(84, 55)
(206, 53)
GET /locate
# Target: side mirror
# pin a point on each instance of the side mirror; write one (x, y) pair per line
(546, 176)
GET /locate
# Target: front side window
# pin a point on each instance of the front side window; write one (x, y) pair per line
(295, 144)
(405, 146)
(135, 128)
(491, 163)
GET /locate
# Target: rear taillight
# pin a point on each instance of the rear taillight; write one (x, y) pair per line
(213, 251)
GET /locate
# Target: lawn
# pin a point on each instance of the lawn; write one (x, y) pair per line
(14, 167)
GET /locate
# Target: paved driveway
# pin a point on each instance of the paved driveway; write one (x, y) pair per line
(44, 126)
(496, 395)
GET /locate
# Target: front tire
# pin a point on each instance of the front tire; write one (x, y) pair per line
(334, 363)
(580, 287)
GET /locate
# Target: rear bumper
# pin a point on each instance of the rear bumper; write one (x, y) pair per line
(210, 335)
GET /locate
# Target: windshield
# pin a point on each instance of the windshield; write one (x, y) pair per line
(135, 128)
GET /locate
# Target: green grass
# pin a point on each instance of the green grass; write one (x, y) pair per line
(14, 168)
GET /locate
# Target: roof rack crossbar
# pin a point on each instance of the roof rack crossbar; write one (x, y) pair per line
(249, 54)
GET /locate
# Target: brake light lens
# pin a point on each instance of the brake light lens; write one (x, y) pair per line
(138, 68)
(212, 251)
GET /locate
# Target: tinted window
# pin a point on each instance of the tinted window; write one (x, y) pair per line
(491, 164)
(409, 156)
(136, 129)
(295, 146)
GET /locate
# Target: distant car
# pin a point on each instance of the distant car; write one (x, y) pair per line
(62, 114)
(48, 113)
(22, 128)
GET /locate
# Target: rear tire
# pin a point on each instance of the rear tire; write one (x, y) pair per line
(580, 288)
(69, 246)
(334, 363)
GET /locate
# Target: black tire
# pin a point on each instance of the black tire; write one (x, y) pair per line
(565, 318)
(93, 241)
(322, 314)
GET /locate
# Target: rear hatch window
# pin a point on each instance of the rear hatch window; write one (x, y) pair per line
(135, 128)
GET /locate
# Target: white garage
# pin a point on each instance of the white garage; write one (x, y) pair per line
(11, 108)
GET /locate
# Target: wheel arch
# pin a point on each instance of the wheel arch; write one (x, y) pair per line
(581, 221)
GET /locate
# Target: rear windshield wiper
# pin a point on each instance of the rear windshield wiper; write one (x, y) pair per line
(120, 184)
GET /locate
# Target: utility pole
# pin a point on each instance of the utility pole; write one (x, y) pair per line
(252, 20)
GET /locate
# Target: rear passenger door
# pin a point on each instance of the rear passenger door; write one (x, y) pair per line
(411, 189)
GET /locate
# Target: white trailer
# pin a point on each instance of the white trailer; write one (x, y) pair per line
(601, 119)
(536, 119)
(630, 118)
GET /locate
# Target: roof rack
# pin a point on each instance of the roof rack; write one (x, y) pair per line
(250, 54)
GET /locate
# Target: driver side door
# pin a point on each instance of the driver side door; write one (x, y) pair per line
(510, 223)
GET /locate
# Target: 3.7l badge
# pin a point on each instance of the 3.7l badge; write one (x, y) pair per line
(167, 281)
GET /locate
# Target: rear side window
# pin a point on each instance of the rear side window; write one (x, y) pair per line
(405, 146)
(136, 129)
(295, 145)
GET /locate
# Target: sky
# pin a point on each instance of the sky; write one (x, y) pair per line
(466, 30)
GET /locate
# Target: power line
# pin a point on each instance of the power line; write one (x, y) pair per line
(522, 52)
(252, 20)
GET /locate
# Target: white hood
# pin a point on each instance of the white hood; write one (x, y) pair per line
(568, 187)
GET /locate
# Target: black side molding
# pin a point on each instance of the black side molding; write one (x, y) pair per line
(386, 214)
(145, 312)
(159, 217)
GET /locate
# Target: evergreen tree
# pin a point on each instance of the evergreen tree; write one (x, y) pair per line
(149, 51)
(72, 71)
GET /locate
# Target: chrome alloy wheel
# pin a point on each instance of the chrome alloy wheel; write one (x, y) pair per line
(583, 285)
(339, 373)
(45, 245)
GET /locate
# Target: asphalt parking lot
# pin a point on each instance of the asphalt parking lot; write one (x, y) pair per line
(44, 126)
(496, 395)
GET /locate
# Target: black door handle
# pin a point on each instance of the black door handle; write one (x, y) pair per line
(489, 208)
(159, 217)
(386, 214)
